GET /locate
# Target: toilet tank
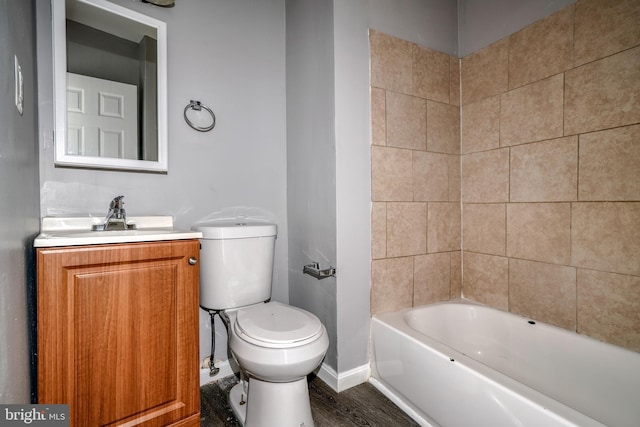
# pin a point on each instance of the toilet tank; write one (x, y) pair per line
(236, 263)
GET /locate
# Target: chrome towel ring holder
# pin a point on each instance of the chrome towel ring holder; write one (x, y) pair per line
(198, 106)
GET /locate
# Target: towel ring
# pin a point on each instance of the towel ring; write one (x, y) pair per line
(197, 106)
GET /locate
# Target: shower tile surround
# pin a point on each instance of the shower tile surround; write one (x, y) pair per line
(521, 190)
(415, 174)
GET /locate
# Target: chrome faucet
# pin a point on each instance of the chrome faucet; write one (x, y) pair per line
(116, 217)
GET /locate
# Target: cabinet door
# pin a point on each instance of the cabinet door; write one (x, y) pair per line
(118, 332)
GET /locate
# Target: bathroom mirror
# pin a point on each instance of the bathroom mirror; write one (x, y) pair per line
(110, 83)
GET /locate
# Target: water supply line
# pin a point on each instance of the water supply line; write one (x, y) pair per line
(213, 369)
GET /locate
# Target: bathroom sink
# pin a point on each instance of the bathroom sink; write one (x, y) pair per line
(72, 231)
(108, 233)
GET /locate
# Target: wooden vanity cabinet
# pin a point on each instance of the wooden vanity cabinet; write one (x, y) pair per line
(118, 333)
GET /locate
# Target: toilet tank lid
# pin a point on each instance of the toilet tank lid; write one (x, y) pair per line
(219, 230)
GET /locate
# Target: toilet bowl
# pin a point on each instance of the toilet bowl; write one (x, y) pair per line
(276, 346)
(276, 342)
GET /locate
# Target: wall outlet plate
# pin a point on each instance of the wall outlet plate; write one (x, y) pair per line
(19, 84)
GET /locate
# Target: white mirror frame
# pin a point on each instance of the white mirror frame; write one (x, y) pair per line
(60, 92)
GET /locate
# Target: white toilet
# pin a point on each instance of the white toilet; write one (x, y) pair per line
(274, 344)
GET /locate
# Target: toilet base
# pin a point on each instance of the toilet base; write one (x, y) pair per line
(272, 404)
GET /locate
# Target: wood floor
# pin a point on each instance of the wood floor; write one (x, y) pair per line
(362, 405)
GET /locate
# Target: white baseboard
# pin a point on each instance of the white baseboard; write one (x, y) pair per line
(338, 382)
(345, 380)
(225, 367)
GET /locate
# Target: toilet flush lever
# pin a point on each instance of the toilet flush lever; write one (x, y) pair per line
(315, 271)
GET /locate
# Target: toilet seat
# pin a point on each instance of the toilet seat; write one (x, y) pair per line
(277, 325)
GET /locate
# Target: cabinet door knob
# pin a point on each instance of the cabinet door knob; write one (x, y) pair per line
(193, 260)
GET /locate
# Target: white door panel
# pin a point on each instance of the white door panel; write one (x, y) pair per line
(102, 117)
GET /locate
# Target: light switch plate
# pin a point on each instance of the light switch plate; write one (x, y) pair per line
(19, 87)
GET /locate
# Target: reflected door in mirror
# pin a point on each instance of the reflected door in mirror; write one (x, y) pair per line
(102, 118)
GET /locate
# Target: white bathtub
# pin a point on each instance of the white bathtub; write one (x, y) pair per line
(461, 364)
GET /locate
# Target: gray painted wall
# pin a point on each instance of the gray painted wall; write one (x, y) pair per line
(19, 209)
(231, 56)
(94, 53)
(428, 23)
(481, 23)
(311, 160)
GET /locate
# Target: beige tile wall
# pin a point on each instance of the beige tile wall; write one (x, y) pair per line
(415, 192)
(551, 171)
(546, 131)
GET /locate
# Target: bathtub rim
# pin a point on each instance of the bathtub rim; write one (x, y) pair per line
(462, 301)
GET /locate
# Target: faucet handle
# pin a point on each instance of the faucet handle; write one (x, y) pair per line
(117, 203)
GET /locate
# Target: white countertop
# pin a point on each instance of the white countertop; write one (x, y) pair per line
(76, 231)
